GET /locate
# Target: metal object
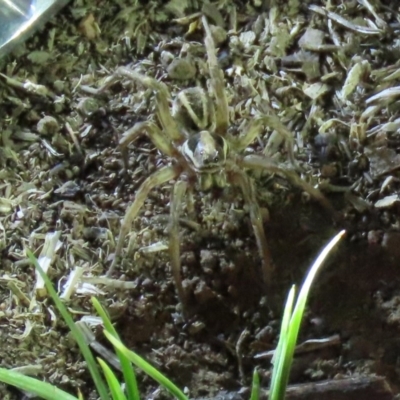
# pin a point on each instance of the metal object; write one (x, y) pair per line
(19, 18)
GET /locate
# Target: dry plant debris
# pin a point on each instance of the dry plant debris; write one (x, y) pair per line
(330, 73)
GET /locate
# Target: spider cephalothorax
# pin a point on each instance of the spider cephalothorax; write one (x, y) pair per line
(194, 135)
(206, 153)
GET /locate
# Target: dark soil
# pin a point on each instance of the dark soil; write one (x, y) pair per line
(69, 177)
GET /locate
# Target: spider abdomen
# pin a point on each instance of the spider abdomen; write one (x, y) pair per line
(193, 109)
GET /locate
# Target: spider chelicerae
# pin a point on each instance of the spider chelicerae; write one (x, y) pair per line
(206, 157)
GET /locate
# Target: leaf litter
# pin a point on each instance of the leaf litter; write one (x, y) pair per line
(330, 73)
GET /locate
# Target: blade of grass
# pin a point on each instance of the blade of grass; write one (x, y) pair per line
(289, 333)
(112, 381)
(44, 390)
(132, 390)
(255, 386)
(278, 360)
(146, 367)
(84, 348)
(300, 306)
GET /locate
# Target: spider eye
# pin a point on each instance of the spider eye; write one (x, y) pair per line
(216, 159)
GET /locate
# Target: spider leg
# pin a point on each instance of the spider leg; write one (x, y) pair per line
(159, 177)
(174, 247)
(162, 96)
(260, 162)
(155, 134)
(190, 203)
(217, 83)
(252, 130)
(240, 178)
(274, 122)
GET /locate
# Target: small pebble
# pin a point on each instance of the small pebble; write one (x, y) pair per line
(87, 106)
(166, 57)
(219, 34)
(181, 69)
(48, 126)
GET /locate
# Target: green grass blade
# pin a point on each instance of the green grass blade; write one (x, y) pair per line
(112, 381)
(280, 352)
(147, 368)
(44, 390)
(132, 390)
(84, 348)
(298, 312)
(290, 331)
(255, 386)
(303, 294)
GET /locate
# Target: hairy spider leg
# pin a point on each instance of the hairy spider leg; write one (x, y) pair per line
(272, 121)
(162, 95)
(251, 131)
(255, 127)
(178, 193)
(159, 177)
(217, 83)
(239, 178)
(262, 162)
(155, 134)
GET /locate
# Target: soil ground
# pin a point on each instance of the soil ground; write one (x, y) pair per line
(331, 75)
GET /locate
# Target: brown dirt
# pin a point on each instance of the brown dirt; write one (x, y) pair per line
(48, 183)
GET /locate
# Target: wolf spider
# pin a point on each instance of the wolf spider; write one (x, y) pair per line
(207, 154)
